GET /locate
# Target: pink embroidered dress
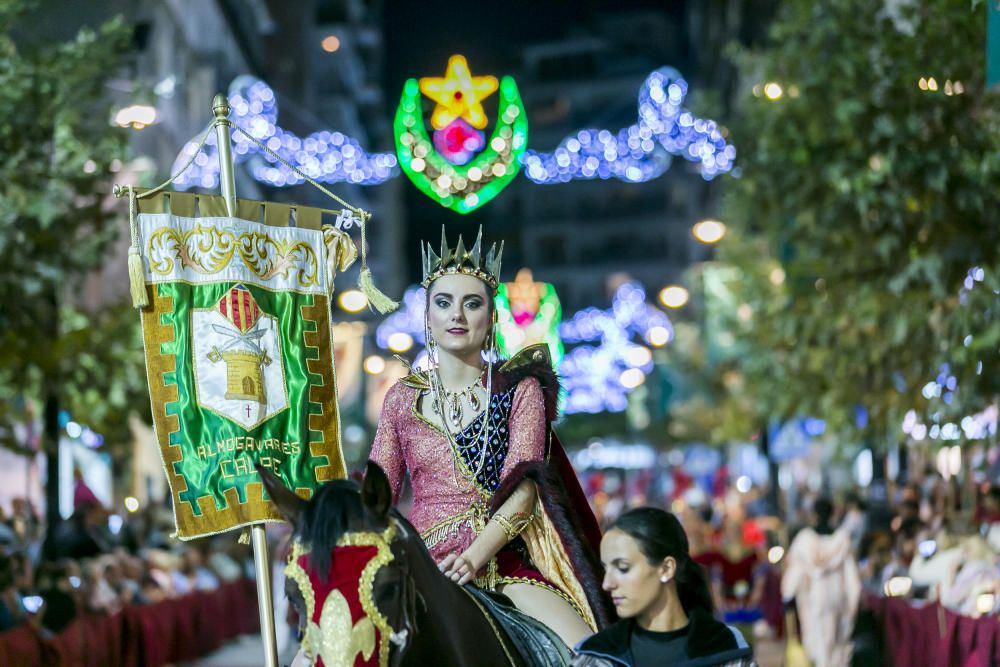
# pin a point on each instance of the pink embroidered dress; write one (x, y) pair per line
(450, 503)
(456, 489)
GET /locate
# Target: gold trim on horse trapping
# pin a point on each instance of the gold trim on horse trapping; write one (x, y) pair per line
(295, 572)
(336, 640)
(380, 541)
(207, 250)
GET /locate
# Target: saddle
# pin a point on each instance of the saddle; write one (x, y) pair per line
(534, 642)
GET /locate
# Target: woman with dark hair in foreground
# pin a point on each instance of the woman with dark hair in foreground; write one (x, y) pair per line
(662, 599)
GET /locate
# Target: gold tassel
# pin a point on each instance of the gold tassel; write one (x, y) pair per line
(244, 537)
(376, 298)
(137, 279)
(136, 272)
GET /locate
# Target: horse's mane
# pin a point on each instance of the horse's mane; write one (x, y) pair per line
(325, 518)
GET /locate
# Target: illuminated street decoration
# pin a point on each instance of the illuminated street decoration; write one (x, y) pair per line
(453, 177)
(608, 356)
(448, 166)
(642, 151)
(327, 157)
(528, 313)
(610, 360)
(458, 95)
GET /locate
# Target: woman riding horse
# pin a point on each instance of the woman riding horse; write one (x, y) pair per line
(494, 497)
(368, 593)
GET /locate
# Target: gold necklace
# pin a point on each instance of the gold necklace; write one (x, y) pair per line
(454, 403)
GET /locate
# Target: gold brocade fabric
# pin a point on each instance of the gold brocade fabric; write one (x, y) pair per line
(549, 556)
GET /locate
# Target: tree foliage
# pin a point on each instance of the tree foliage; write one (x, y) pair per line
(868, 190)
(58, 147)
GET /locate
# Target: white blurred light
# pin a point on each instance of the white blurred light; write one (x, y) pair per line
(74, 430)
(353, 300)
(132, 504)
(775, 554)
(743, 484)
(709, 231)
(864, 468)
(374, 365)
(773, 90)
(898, 586)
(632, 378)
(777, 275)
(136, 116)
(638, 356)
(673, 296)
(658, 336)
(400, 341)
(954, 460)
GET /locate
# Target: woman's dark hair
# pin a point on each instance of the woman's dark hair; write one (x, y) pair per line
(660, 535)
(823, 509)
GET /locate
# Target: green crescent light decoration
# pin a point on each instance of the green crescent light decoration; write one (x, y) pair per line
(462, 188)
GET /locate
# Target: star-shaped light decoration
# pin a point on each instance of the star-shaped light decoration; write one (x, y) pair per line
(458, 94)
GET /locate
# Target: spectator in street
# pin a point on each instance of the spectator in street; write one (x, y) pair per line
(81, 536)
(662, 599)
(875, 555)
(855, 518)
(821, 578)
(61, 589)
(12, 612)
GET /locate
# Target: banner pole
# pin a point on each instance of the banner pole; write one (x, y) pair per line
(262, 563)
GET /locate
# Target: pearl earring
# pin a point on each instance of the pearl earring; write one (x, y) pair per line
(664, 578)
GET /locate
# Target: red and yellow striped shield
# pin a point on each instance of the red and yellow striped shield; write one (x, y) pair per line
(239, 307)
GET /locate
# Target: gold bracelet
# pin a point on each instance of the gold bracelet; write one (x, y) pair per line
(515, 525)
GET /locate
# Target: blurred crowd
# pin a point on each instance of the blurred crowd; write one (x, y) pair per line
(800, 564)
(98, 561)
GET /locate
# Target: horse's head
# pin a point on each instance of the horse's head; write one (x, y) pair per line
(347, 575)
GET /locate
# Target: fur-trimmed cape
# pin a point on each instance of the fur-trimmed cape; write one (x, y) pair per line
(558, 487)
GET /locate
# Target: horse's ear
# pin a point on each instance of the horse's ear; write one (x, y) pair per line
(289, 504)
(376, 494)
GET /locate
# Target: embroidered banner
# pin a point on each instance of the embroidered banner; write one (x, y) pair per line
(239, 358)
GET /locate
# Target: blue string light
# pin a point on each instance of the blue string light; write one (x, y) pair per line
(632, 154)
(592, 373)
(635, 154)
(608, 343)
(327, 157)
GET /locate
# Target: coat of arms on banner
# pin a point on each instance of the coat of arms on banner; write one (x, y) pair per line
(239, 356)
(238, 368)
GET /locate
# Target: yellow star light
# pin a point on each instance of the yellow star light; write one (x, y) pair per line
(458, 94)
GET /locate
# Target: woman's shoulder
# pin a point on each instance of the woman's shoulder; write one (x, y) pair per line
(400, 394)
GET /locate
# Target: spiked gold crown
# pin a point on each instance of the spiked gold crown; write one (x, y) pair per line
(459, 260)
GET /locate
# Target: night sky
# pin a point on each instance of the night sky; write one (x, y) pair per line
(420, 36)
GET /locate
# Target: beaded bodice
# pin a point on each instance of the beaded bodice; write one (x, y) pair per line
(449, 501)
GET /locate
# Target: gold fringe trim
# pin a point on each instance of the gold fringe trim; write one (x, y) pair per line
(547, 554)
(448, 527)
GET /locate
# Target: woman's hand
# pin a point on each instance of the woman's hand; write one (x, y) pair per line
(459, 568)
